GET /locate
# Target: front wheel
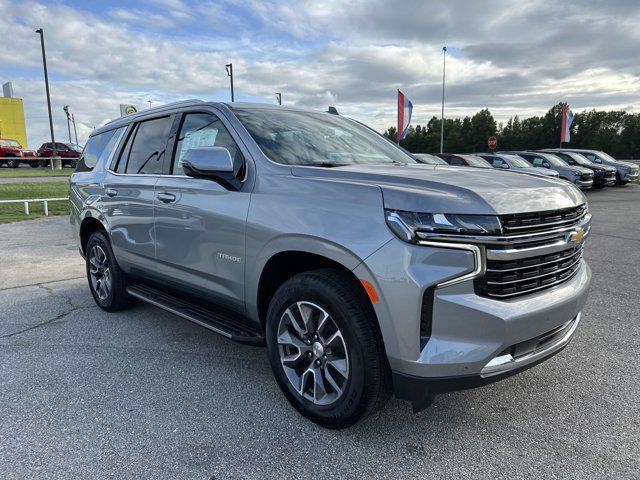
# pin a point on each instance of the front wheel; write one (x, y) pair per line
(325, 349)
(107, 282)
(12, 163)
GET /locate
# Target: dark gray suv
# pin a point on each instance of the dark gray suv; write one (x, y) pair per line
(363, 272)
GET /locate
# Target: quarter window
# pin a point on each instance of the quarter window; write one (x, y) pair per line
(204, 130)
(98, 147)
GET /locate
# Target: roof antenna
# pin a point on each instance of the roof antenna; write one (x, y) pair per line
(333, 111)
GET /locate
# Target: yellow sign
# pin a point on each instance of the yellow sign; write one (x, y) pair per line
(12, 124)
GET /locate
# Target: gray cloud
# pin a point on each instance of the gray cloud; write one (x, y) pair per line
(513, 57)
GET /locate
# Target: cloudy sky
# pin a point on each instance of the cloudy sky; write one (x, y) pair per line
(512, 57)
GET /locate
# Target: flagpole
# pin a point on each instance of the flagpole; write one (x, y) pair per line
(398, 117)
(444, 64)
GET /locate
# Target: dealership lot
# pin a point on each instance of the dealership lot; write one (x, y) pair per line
(144, 394)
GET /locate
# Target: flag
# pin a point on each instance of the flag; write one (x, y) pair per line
(405, 107)
(567, 120)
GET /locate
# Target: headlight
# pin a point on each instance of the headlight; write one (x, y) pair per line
(577, 172)
(408, 225)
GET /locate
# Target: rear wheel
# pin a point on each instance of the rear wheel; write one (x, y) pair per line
(325, 349)
(106, 281)
(12, 163)
(34, 164)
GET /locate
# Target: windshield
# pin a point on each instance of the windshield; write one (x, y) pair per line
(9, 143)
(319, 139)
(75, 146)
(429, 159)
(553, 160)
(579, 158)
(516, 161)
(474, 161)
(606, 156)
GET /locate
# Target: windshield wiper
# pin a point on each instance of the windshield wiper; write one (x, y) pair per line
(323, 164)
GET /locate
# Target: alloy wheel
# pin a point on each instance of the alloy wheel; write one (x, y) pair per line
(99, 272)
(313, 353)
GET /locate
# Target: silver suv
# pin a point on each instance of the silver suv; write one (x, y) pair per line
(363, 272)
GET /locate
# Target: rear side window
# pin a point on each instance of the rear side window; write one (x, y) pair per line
(145, 149)
(98, 147)
(455, 161)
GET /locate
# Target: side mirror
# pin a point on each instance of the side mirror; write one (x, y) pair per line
(597, 160)
(214, 163)
(504, 165)
(546, 165)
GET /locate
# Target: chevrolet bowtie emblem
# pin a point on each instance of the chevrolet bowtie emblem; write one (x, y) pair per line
(577, 235)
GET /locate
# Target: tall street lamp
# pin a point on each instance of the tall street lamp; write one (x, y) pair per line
(444, 63)
(46, 83)
(229, 67)
(279, 98)
(66, 112)
(75, 132)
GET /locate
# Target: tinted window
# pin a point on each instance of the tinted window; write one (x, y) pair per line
(98, 147)
(455, 161)
(496, 162)
(61, 146)
(204, 130)
(306, 138)
(147, 149)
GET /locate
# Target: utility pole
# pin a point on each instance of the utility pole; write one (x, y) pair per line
(54, 155)
(66, 112)
(229, 67)
(444, 63)
(75, 132)
(279, 98)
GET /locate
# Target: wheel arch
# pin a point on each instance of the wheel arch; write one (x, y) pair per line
(282, 264)
(88, 227)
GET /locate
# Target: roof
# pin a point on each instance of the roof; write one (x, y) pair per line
(122, 121)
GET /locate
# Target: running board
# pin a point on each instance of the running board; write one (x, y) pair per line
(226, 324)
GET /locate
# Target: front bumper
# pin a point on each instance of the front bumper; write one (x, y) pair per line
(584, 184)
(470, 334)
(630, 177)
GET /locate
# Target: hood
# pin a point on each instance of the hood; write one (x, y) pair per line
(542, 171)
(439, 188)
(607, 168)
(628, 165)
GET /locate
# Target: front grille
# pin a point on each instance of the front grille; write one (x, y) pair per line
(516, 277)
(586, 176)
(610, 176)
(523, 223)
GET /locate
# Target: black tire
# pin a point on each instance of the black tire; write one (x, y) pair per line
(117, 297)
(33, 164)
(368, 386)
(12, 163)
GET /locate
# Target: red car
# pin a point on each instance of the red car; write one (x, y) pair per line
(10, 148)
(69, 152)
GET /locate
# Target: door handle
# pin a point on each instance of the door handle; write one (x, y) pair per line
(166, 197)
(111, 192)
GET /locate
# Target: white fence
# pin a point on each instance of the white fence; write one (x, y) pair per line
(45, 201)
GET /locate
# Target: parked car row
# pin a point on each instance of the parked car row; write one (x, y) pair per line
(586, 169)
(12, 154)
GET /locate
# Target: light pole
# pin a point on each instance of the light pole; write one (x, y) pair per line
(54, 154)
(229, 67)
(444, 63)
(66, 112)
(279, 98)
(75, 132)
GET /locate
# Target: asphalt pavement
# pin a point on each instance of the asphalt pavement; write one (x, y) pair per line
(144, 394)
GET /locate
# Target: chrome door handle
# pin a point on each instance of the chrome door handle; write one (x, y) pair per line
(166, 197)
(111, 192)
